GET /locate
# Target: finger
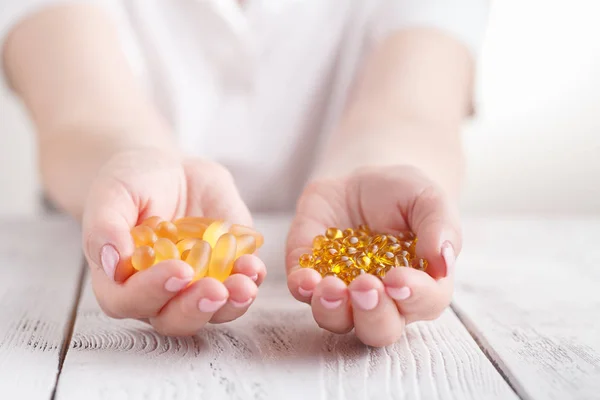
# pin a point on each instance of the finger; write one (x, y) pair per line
(302, 283)
(251, 266)
(190, 311)
(331, 305)
(145, 293)
(242, 292)
(437, 226)
(417, 295)
(377, 321)
(107, 220)
(212, 192)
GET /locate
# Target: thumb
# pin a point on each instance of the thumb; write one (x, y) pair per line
(108, 217)
(435, 221)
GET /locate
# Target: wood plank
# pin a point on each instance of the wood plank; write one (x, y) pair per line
(276, 351)
(528, 291)
(40, 265)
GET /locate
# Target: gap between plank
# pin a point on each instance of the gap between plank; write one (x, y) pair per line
(71, 325)
(479, 341)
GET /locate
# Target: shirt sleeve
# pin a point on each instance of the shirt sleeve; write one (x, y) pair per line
(12, 12)
(465, 20)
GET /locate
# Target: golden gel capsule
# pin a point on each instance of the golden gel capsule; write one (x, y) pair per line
(143, 235)
(190, 231)
(333, 233)
(240, 230)
(319, 242)
(214, 231)
(194, 221)
(152, 222)
(143, 258)
(246, 244)
(222, 258)
(306, 261)
(167, 230)
(185, 244)
(165, 250)
(199, 258)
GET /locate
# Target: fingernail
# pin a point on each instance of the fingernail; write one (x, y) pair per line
(174, 284)
(367, 300)
(304, 292)
(240, 304)
(210, 306)
(449, 257)
(330, 304)
(402, 293)
(109, 258)
(254, 277)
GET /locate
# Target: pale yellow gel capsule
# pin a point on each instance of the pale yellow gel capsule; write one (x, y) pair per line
(165, 250)
(239, 230)
(166, 229)
(151, 222)
(222, 257)
(143, 235)
(190, 230)
(214, 231)
(246, 244)
(199, 258)
(194, 220)
(143, 258)
(186, 244)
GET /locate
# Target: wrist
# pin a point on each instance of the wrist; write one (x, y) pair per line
(434, 149)
(89, 149)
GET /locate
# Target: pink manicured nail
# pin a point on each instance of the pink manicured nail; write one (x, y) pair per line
(254, 277)
(210, 306)
(449, 257)
(176, 284)
(109, 258)
(240, 304)
(402, 293)
(330, 304)
(304, 292)
(366, 300)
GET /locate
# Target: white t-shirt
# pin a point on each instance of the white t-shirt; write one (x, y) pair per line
(257, 87)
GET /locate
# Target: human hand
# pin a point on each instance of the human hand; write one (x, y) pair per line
(135, 185)
(387, 199)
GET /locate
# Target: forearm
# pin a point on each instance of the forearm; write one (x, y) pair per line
(407, 107)
(67, 65)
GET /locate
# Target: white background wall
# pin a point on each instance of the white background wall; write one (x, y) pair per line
(534, 146)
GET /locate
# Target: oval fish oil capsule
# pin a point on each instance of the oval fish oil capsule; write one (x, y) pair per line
(246, 244)
(199, 258)
(194, 221)
(143, 235)
(185, 244)
(214, 231)
(152, 222)
(165, 250)
(222, 257)
(240, 230)
(167, 230)
(143, 258)
(189, 230)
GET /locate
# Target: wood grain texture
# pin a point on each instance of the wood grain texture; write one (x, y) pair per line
(275, 352)
(529, 292)
(40, 264)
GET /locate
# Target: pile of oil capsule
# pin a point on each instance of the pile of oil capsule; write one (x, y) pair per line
(352, 252)
(209, 246)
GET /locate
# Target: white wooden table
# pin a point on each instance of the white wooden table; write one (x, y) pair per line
(525, 323)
